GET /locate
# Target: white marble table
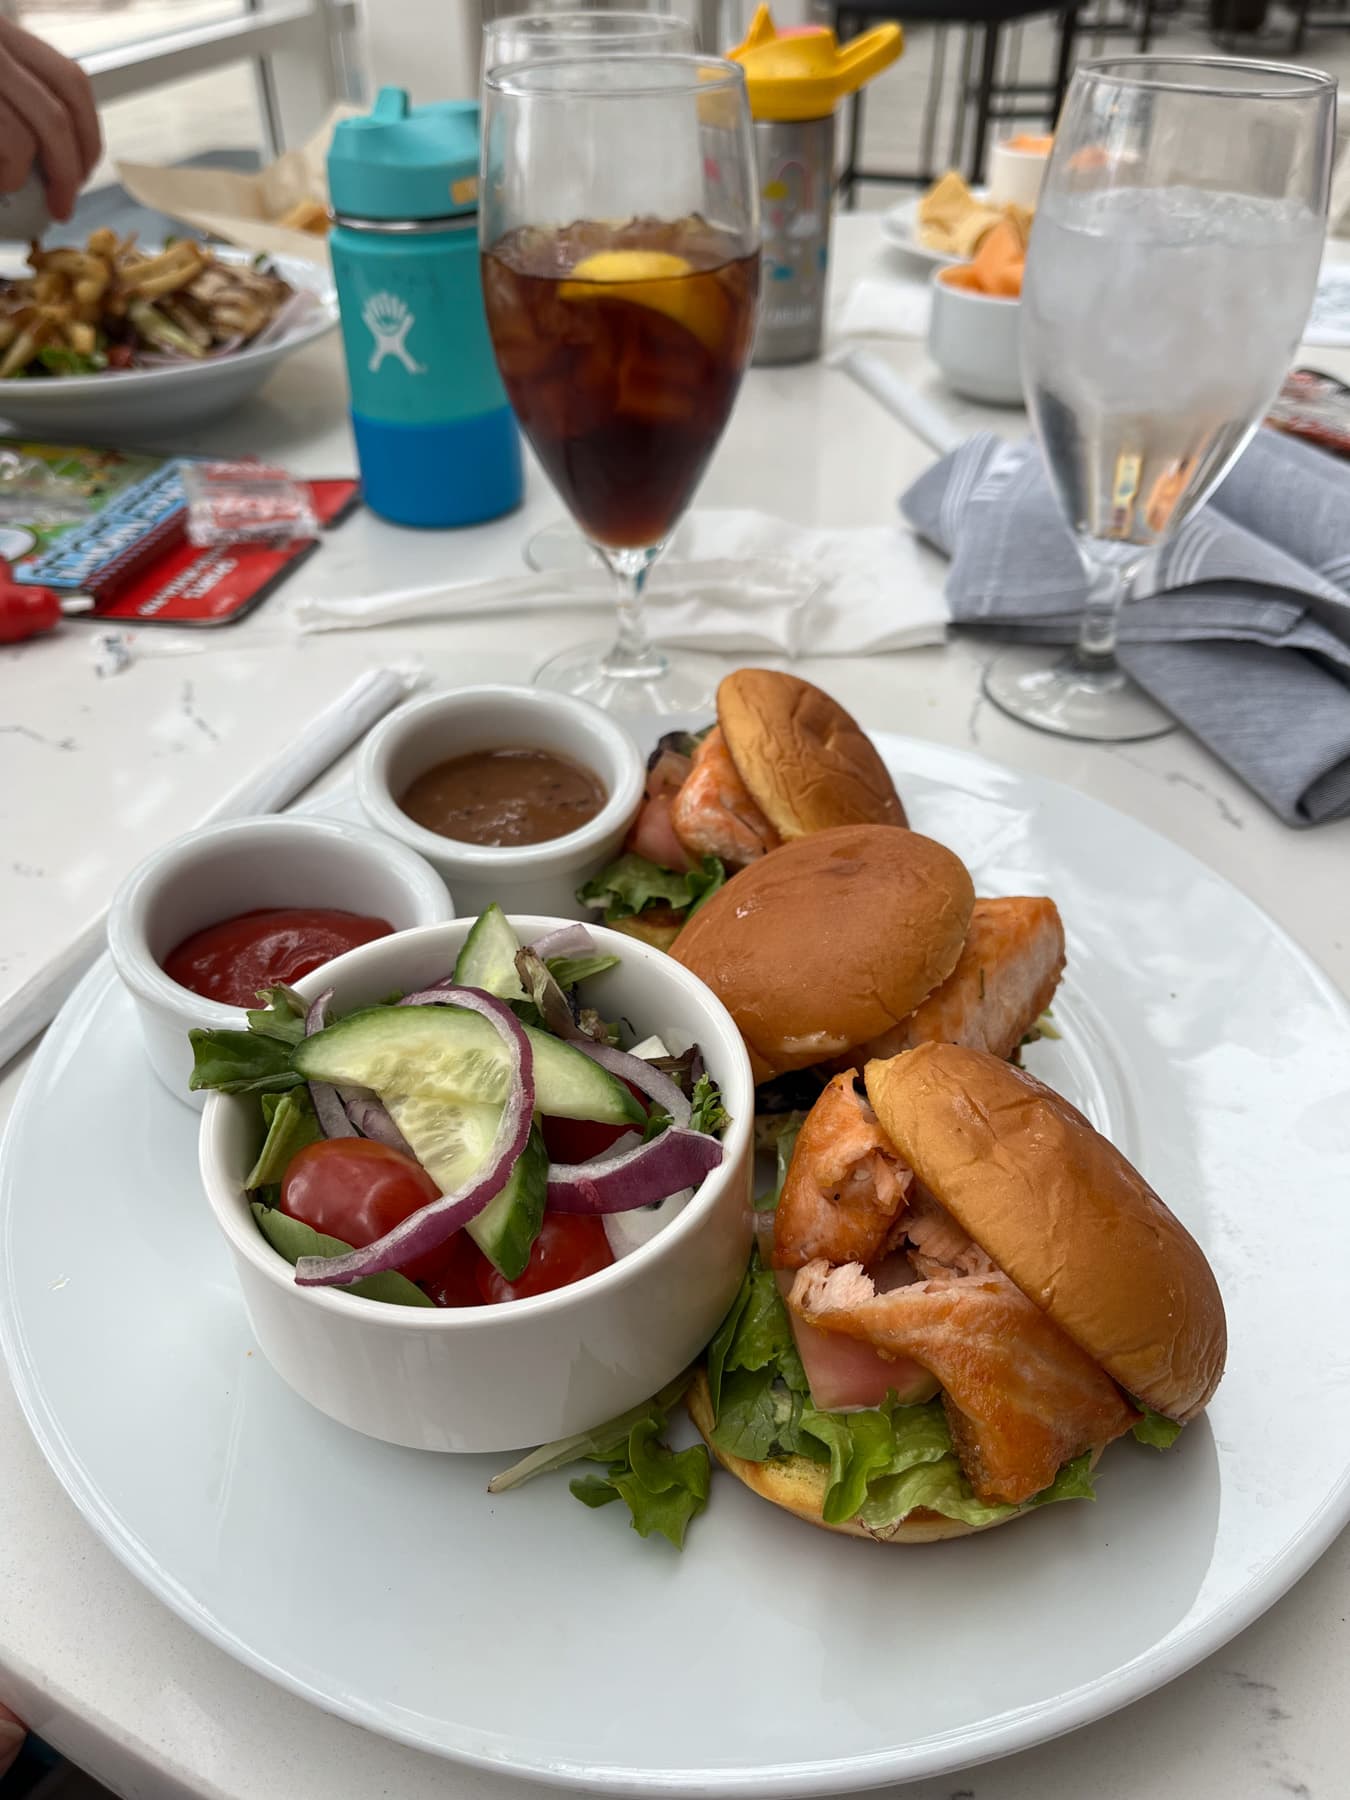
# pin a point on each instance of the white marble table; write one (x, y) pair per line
(93, 772)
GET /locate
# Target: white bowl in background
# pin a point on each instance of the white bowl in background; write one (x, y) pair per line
(521, 1372)
(240, 867)
(540, 878)
(976, 342)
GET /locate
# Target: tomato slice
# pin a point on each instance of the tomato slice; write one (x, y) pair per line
(357, 1190)
(455, 1283)
(569, 1246)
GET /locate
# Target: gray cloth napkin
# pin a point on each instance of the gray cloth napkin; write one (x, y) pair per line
(1240, 626)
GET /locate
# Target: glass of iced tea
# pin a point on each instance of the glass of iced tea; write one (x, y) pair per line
(620, 234)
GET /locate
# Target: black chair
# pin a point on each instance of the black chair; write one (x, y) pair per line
(981, 92)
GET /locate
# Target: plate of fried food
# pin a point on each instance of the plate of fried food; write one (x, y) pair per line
(92, 336)
(950, 222)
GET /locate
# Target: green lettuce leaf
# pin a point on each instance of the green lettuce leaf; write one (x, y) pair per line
(708, 1112)
(291, 1125)
(593, 1490)
(868, 1447)
(1156, 1428)
(632, 882)
(567, 971)
(241, 1062)
(282, 1018)
(292, 1239)
(600, 1444)
(783, 1143)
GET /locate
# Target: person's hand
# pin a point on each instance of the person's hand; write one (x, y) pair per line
(12, 1735)
(47, 117)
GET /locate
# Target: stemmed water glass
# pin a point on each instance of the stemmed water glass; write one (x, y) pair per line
(540, 34)
(619, 223)
(1172, 264)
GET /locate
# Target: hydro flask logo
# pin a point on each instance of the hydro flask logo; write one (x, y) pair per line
(390, 322)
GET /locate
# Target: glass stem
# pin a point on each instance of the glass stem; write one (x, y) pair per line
(1111, 571)
(632, 654)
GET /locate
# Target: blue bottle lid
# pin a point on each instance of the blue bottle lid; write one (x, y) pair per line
(406, 162)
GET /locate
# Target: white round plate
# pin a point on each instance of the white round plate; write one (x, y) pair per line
(526, 1633)
(182, 396)
(900, 228)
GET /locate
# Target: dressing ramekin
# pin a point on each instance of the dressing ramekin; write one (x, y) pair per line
(525, 1371)
(541, 878)
(240, 867)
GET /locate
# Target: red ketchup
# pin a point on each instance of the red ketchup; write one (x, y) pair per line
(273, 947)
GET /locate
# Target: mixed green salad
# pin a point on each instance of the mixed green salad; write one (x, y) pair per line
(478, 1141)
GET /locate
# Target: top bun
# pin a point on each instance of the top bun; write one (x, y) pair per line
(804, 759)
(1063, 1214)
(830, 941)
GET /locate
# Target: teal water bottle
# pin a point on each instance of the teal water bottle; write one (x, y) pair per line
(435, 436)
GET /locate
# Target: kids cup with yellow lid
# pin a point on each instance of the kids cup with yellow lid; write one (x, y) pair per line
(796, 80)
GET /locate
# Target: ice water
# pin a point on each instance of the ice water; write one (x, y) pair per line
(1157, 327)
(622, 348)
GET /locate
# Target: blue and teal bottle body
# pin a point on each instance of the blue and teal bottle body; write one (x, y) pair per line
(435, 436)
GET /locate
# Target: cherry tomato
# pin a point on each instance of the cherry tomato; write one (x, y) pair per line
(455, 1282)
(578, 1140)
(356, 1190)
(569, 1246)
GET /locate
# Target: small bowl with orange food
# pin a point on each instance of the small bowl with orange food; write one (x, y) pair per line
(209, 922)
(974, 329)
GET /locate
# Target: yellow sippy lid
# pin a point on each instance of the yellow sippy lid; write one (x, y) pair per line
(804, 74)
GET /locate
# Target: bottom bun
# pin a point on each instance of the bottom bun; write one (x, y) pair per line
(798, 1485)
(660, 937)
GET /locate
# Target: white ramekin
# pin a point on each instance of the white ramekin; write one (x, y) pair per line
(240, 867)
(540, 878)
(976, 342)
(525, 1371)
(1016, 175)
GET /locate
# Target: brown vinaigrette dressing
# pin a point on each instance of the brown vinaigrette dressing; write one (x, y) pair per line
(504, 797)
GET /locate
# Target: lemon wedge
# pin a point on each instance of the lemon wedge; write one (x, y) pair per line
(656, 279)
(631, 265)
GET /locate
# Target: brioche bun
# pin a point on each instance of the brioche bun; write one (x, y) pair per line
(806, 762)
(655, 927)
(830, 941)
(1063, 1214)
(799, 1486)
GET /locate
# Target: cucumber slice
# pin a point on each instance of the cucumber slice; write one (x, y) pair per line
(451, 1142)
(446, 1054)
(506, 1228)
(487, 959)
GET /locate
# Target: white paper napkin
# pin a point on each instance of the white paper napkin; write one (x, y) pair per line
(745, 581)
(893, 307)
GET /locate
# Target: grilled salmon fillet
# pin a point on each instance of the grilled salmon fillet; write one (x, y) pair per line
(1003, 981)
(1021, 1398)
(844, 1186)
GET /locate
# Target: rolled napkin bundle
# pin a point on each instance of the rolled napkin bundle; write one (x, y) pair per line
(742, 581)
(1240, 626)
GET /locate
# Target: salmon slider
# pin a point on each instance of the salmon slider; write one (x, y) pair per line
(861, 942)
(781, 761)
(964, 1296)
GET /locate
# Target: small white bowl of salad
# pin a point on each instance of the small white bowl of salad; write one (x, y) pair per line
(485, 1183)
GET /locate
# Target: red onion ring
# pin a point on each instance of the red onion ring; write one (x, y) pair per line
(434, 1224)
(328, 1102)
(679, 1158)
(654, 1083)
(371, 1118)
(567, 940)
